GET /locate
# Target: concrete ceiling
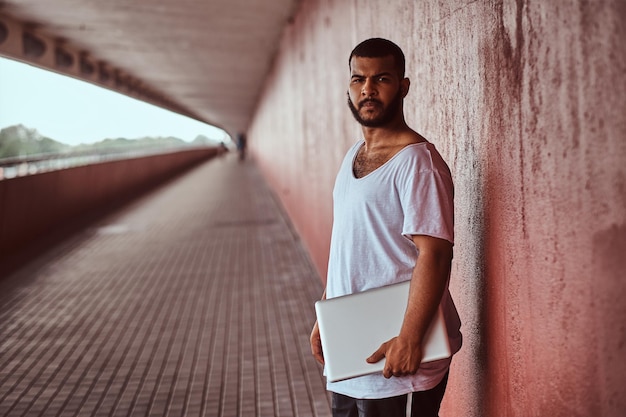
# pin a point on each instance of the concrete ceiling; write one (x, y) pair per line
(204, 58)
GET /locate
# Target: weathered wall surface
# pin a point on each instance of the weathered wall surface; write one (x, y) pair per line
(526, 100)
(41, 205)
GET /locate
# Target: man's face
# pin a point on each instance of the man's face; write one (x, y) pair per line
(376, 91)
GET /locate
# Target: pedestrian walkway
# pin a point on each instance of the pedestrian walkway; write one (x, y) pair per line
(194, 300)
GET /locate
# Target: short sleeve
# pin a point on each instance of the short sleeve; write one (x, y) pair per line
(427, 199)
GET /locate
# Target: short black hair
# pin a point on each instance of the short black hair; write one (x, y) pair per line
(379, 48)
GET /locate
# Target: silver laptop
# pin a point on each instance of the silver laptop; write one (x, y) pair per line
(353, 327)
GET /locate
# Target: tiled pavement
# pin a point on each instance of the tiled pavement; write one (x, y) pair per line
(195, 300)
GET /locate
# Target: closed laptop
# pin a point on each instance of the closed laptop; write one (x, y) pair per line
(352, 327)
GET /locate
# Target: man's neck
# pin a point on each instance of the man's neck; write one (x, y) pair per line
(396, 134)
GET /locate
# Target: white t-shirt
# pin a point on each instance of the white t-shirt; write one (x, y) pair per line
(371, 245)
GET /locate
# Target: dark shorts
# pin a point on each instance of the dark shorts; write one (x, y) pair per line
(423, 404)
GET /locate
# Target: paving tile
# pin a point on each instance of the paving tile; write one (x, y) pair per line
(194, 300)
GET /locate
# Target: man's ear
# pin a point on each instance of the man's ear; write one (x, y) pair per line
(405, 84)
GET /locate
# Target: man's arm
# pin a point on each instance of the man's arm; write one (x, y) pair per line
(430, 275)
(316, 341)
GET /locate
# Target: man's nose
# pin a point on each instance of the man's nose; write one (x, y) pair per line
(368, 88)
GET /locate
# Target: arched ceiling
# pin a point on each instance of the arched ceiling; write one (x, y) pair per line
(203, 58)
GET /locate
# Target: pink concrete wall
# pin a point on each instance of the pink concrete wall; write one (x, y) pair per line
(36, 205)
(527, 102)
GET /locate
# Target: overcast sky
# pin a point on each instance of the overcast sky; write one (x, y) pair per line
(73, 112)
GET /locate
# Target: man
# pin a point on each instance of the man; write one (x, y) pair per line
(241, 145)
(393, 222)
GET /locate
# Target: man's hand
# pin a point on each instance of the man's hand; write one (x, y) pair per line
(428, 282)
(316, 344)
(402, 358)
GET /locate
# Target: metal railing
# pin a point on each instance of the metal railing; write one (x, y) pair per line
(34, 164)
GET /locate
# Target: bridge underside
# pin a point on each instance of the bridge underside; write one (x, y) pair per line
(206, 60)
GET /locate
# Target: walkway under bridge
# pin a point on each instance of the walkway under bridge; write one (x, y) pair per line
(194, 300)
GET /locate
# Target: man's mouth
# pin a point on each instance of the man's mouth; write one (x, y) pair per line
(370, 103)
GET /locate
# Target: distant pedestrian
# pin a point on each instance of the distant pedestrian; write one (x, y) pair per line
(241, 145)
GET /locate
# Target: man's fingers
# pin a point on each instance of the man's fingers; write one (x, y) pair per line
(378, 355)
(316, 344)
(316, 349)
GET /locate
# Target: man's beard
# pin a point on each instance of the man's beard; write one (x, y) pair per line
(382, 119)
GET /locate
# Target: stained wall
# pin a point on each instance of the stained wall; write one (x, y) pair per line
(526, 100)
(39, 209)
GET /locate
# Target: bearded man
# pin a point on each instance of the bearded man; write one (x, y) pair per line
(393, 222)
